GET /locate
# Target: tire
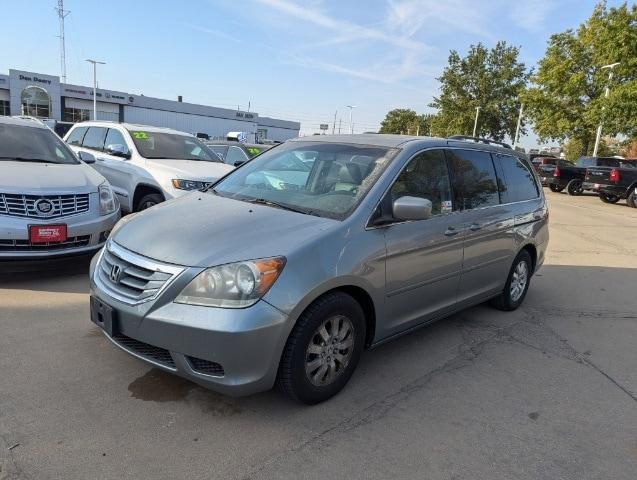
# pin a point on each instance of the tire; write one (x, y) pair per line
(508, 300)
(148, 201)
(299, 376)
(607, 198)
(555, 188)
(631, 201)
(574, 187)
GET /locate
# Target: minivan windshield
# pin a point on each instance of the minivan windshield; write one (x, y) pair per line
(323, 179)
(162, 145)
(29, 144)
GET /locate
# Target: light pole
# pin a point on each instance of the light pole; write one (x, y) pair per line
(599, 128)
(475, 124)
(517, 129)
(95, 62)
(351, 125)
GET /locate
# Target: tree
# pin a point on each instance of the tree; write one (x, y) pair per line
(405, 121)
(567, 97)
(490, 79)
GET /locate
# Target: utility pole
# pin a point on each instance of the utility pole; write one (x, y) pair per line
(95, 62)
(351, 125)
(475, 124)
(334, 124)
(599, 128)
(340, 121)
(517, 129)
(62, 15)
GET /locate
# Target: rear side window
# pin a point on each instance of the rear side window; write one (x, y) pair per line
(76, 136)
(94, 138)
(426, 176)
(519, 183)
(474, 181)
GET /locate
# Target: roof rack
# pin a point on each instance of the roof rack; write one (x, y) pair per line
(467, 138)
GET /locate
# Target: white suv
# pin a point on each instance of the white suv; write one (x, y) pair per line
(146, 165)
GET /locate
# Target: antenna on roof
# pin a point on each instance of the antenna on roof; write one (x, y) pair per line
(62, 15)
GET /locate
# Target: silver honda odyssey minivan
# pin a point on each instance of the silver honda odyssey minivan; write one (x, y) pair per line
(288, 267)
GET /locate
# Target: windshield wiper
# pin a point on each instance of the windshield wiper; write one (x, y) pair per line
(26, 159)
(270, 203)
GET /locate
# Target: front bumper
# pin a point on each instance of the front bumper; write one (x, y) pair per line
(86, 233)
(231, 351)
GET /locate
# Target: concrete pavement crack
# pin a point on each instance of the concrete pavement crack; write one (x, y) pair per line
(14, 472)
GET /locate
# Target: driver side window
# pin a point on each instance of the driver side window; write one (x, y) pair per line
(426, 176)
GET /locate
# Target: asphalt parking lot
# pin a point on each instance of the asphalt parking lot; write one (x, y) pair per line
(548, 391)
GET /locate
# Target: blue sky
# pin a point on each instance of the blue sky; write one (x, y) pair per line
(295, 59)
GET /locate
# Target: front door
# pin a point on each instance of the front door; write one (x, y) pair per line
(424, 258)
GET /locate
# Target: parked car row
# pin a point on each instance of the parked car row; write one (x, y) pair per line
(611, 178)
(64, 197)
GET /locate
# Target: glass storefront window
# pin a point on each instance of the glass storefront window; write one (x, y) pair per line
(76, 115)
(4, 107)
(36, 102)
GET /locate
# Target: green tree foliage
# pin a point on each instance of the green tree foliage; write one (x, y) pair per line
(567, 96)
(491, 79)
(405, 121)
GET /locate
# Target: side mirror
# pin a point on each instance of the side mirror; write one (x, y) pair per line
(86, 157)
(118, 150)
(412, 208)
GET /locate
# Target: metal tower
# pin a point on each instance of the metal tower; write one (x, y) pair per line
(62, 15)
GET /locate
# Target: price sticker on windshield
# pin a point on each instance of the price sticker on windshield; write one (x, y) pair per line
(140, 135)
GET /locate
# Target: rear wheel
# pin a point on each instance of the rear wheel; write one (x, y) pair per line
(632, 200)
(323, 349)
(517, 283)
(148, 201)
(555, 188)
(607, 198)
(574, 187)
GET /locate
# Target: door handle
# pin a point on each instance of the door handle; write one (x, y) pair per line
(100, 159)
(451, 231)
(475, 227)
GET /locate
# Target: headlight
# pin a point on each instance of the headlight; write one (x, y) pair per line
(108, 202)
(187, 184)
(235, 285)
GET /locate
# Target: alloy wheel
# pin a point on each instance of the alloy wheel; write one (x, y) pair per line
(519, 280)
(329, 351)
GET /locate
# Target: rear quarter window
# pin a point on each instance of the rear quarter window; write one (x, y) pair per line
(76, 136)
(519, 183)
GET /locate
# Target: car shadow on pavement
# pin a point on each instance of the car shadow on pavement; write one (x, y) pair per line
(64, 275)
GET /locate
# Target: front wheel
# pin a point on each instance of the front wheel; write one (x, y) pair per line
(574, 187)
(148, 201)
(323, 349)
(608, 198)
(517, 283)
(555, 188)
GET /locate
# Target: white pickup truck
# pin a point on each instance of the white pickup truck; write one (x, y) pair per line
(145, 165)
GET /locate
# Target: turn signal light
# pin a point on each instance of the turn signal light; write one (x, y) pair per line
(556, 172)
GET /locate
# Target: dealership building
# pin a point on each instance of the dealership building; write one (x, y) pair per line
(44, 96)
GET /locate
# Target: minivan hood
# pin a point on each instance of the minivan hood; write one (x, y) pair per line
(191, 169)
(45, 178)
(204, 230)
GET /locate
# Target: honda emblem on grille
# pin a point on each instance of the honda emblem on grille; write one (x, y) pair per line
(115, 274)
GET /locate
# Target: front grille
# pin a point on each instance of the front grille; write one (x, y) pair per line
(132, 278)
(156, 354)
(26, 246)
(204, 366)
(34, 206)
